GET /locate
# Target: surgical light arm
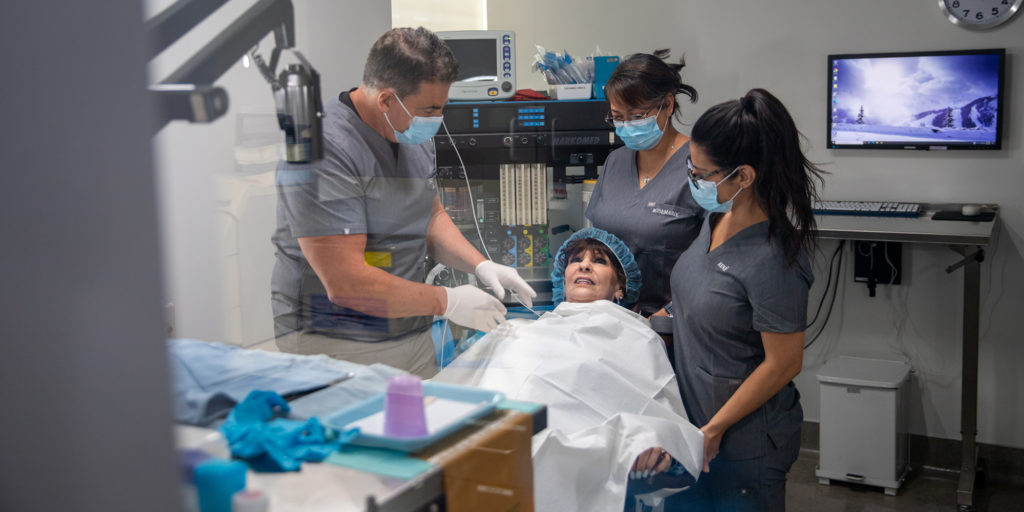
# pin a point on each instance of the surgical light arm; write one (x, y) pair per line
(188, 93)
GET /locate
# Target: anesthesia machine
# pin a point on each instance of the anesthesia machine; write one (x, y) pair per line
(510, 175)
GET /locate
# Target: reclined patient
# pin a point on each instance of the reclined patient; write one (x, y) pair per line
(600, 369)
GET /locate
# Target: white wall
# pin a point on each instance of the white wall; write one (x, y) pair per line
(437, 16)
(782, 46)
(216, 223)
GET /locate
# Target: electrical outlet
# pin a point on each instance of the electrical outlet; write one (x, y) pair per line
(877, 263)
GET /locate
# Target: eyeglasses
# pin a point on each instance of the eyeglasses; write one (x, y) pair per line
(612, 119)
(695, 179)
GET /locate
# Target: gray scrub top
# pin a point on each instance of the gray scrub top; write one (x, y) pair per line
(359, 187)
(657, 222)
(723, 301)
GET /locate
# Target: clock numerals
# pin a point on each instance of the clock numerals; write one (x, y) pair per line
(979, 14)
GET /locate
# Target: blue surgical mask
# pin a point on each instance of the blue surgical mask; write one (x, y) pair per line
(420, 130)
(706, 194)
(641, 134)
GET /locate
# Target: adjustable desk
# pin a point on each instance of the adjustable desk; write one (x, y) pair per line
(969, 240)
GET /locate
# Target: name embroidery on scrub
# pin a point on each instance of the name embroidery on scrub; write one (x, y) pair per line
(662, 211)
(723, 266)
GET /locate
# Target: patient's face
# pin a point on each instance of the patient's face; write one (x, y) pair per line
(590, 276)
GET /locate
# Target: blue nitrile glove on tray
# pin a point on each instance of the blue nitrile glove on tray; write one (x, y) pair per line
(270, 443)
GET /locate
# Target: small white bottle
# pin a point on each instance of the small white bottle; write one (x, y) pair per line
(250, 500)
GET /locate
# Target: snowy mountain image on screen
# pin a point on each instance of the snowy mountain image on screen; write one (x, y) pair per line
(921, 99)
(974, 121)
(979, 114)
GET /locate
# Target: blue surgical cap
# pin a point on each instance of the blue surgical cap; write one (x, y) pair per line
(618, 248)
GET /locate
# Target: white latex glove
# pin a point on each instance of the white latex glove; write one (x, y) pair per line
(498, 277)
(472, 307)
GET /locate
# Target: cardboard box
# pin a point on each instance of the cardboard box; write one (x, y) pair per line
(570, 91)
(488, 467)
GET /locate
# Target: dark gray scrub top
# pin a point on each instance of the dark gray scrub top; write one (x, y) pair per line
(657, 222)
(359, 187)
(723, 301)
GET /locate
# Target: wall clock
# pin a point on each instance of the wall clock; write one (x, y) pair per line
(979, 14)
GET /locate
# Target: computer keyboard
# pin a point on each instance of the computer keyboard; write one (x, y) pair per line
(867, 208)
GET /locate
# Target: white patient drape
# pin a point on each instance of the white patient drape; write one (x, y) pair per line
(610, 392)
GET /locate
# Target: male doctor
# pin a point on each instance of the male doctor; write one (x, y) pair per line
(353, 229)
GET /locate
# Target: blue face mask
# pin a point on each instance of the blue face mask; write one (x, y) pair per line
(706, 194)
(641, 134)
(420, 130)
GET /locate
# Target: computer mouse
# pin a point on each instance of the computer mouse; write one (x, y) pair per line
(970, 210)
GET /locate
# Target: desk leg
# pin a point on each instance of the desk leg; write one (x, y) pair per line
(969, 391)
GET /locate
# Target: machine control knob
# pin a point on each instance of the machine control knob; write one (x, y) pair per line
(472, 142)
(507, 140)
(524, 140)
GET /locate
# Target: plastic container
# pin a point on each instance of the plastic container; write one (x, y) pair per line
(404, 415)
(188, 460)
(453, 407)
(251, 500)
(863, 426)
(216, 481)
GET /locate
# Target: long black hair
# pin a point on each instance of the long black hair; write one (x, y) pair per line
(645, 77)
(757, 130)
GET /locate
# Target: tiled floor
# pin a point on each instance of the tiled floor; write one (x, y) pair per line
(923, 491)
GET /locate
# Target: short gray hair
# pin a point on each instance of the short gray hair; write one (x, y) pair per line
(403, 58)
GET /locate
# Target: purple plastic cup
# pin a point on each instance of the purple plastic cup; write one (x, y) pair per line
(403, 407)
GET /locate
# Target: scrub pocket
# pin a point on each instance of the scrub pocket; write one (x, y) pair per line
(748, 437)
(784, 430)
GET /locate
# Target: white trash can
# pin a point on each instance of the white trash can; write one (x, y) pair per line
(863, 427)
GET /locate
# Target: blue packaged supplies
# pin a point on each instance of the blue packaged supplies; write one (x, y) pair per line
(604, 65)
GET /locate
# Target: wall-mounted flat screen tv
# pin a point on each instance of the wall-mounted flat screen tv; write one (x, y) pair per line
(921, 100)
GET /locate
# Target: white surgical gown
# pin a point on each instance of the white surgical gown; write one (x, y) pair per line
(610, 392)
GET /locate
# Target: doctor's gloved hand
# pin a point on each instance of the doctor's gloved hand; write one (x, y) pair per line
(472, 307)
(498, 277)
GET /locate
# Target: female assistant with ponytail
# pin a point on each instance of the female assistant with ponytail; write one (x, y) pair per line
(740, 300)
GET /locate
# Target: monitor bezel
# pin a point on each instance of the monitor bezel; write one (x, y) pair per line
(462, 90)
(998, 145)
